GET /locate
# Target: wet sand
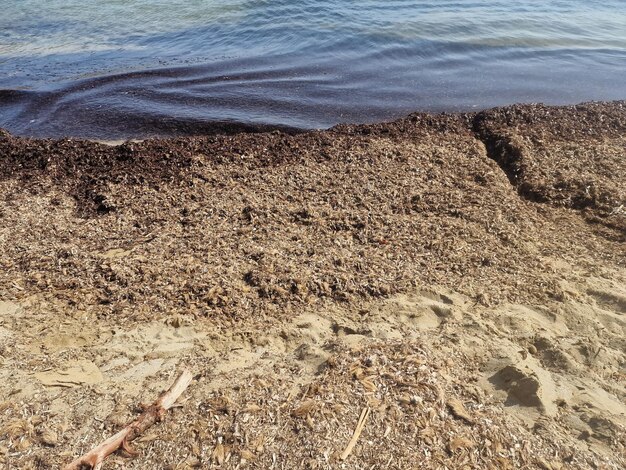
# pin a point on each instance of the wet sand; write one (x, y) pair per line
(302, 278)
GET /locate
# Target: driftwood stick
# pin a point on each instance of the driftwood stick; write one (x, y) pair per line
(357, 433)
(154, 413)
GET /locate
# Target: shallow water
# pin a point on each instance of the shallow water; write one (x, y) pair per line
(134, 68)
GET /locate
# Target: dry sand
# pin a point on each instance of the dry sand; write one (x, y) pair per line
(460, 276)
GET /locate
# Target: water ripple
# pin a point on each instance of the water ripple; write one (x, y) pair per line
(120, 68)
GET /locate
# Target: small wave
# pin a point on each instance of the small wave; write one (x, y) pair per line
(294, 92)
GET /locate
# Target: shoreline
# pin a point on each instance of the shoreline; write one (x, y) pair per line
(397, 267)
(198, 129)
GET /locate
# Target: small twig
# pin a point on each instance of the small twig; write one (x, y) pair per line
(357, 432)
(154, 413)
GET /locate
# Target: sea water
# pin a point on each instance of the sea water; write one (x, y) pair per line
(135, 68)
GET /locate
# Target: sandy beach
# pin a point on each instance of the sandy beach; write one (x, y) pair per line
(457, 279)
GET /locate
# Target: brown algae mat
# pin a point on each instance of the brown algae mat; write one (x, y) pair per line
(457, 281)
